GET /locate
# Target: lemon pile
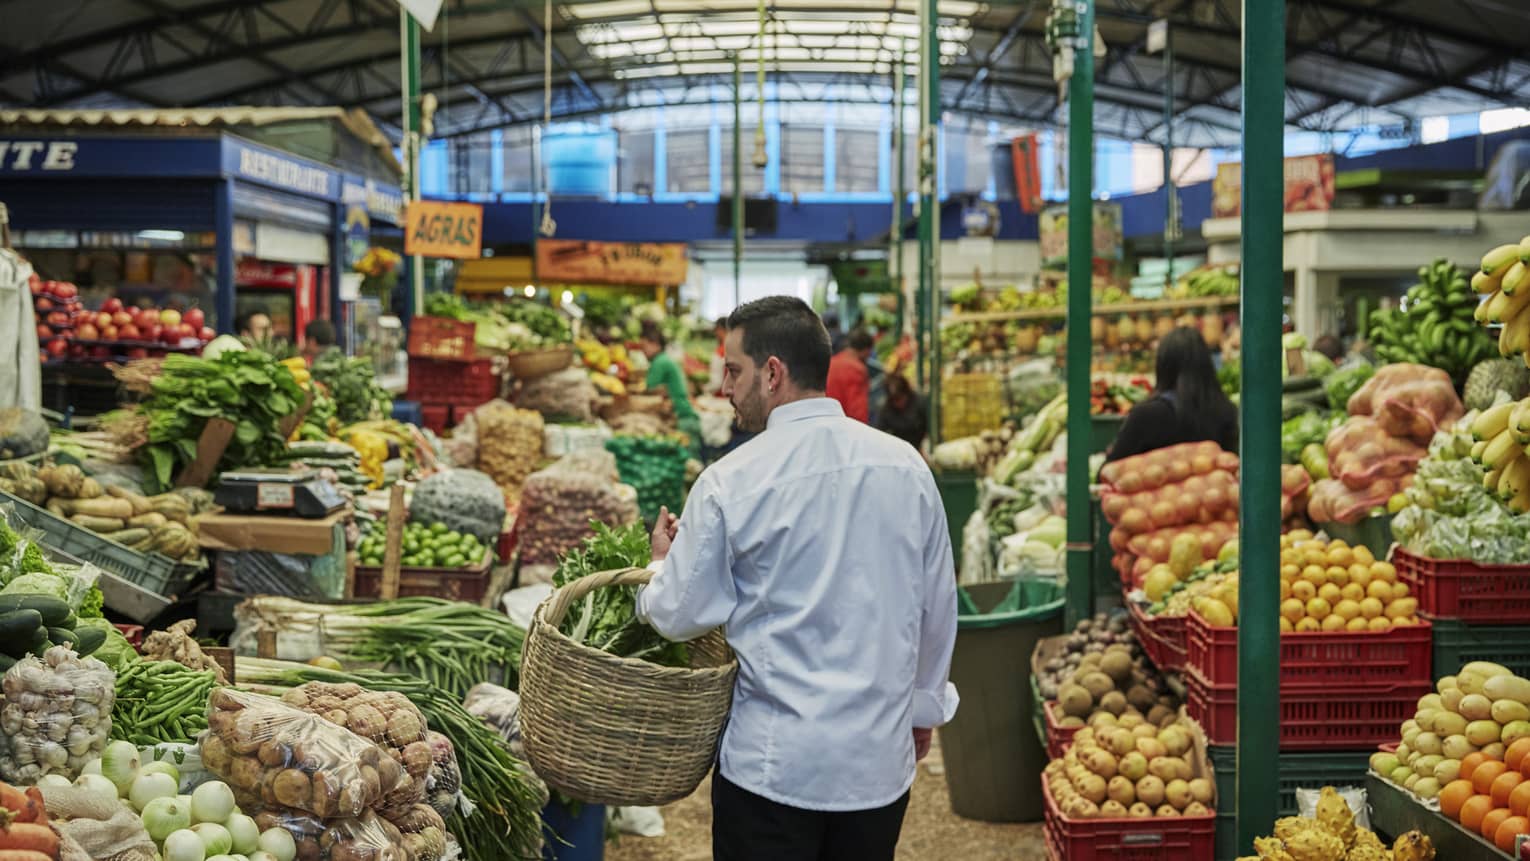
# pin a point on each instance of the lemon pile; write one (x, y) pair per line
(1330, 586)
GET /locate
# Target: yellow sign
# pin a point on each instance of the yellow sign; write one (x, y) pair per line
(436, 229)
(579, 261)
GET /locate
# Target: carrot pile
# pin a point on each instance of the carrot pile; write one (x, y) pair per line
(24, 831)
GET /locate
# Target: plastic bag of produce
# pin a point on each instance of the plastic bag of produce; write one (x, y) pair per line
(1333, 501)
(1361, 452)
(567, 395)
(498, 707)
(1151, 470)
(366, 837)
(509, 443)
(564, 498)
(1409, 401)
(274, 754)
(462, 448)
(56, 717)
(387, 719)
(655, 467)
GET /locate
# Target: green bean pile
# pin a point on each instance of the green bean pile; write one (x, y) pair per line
(161, 702)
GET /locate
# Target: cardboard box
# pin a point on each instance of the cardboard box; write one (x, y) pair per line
(272, 534)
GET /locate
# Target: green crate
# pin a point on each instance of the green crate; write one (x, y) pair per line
(1457, 644)
(1296, 771)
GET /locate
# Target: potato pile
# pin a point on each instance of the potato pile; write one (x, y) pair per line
(275, 755)
(1128, 769)
(1105, 672)
(387, 719)
(509, 444)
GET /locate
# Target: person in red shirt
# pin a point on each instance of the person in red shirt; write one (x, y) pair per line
(849, 381)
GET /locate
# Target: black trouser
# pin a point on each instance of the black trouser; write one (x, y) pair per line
(746, 827)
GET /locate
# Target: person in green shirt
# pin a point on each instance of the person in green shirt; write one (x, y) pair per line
(665, 374)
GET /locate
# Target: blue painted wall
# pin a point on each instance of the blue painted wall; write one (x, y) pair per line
(511, 223)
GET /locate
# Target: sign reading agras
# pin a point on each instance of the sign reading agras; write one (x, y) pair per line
(436, 229)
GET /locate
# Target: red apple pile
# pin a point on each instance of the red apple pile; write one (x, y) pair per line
(1153, 497)
(54, 307)
(66, 329)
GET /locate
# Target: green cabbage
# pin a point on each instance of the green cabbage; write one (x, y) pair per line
(116, 652)
(38, 584)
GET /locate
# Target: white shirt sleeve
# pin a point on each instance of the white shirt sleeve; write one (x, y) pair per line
(692, 589)
(935, 698)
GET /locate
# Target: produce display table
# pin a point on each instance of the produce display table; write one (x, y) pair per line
(1394, 811)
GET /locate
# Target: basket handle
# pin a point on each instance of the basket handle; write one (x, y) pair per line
(556, 606)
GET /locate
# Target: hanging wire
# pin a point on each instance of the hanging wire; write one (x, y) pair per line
(548, 226)
(761, 157)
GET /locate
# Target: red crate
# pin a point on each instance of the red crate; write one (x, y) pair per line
(453, 584)
(1182, 838)
(1058, 737)
(442, 339)
(435, 416)
(458, 384)
(1363, 660)
(1312, 717)
(1161, 637)
(1465, 590)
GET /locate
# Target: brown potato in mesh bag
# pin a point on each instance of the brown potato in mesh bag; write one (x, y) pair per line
(385, 718)
(367, 837)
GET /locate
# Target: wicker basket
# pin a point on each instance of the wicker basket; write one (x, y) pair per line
(610, 730)
(539, 363)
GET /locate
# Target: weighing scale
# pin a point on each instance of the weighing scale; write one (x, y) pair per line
(255, 491)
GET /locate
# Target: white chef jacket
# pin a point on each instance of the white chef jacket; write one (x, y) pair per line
(821, 547)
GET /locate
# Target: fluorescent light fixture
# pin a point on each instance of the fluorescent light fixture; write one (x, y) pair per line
(166, 235)
(531, 292)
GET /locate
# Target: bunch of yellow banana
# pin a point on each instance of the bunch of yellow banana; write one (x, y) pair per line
(299, 368)
(1503, 433)
(1505, 279)
(595, 355)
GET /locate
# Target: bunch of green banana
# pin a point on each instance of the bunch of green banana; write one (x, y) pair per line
(1437, 328)
(1502, 433)
(1505, 279)
(1211, 281)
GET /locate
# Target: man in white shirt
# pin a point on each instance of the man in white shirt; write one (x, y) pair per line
(820, 546)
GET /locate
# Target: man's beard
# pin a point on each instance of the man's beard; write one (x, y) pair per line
(750, 410)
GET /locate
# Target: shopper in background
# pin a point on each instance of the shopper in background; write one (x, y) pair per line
(1188, 404)
(318, 336)
(254, 325)
(844, 644)
(1330, 346)
(665, 374)
(836, 336)
(903, 413)
(849, 380)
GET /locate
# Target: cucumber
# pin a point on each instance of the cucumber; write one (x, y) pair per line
(63, 637)
(40, 642)
(89, 639)
(16, 630)
(52, 610)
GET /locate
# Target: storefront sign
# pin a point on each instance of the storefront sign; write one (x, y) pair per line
(1024, 152)
(37, 155)
(258, 273)
(358, 234)
(284, 172)
(436, 229)
(1053, 226)
(1309, 186)
(379, 201)
(577, 261)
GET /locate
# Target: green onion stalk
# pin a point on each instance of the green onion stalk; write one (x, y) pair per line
(507, 799)
(450, 644)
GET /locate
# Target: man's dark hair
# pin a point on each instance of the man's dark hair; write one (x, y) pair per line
(242, 322)
(785, 327)
(321, 332)
(860, 339)
(652, 332)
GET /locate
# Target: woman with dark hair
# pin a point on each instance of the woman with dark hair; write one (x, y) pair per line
(1187, 406)
(902, 413)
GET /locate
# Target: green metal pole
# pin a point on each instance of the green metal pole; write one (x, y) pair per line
(1171, 206)
(900, 194)
(1080, 593)
(929, 203)
(410, 43)
(738, 184)
(1264, 28)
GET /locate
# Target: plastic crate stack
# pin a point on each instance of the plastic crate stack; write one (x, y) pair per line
(1341, 695)
(1478, 611)
(447, 378)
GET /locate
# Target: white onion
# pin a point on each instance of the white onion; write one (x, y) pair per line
(53, 781)
(98, 785)
(262, 855)
(215, 838)
(213, 801)
(119, 764)
(184, 845)
(165, 815)
(244, 833)
(148, 787)
(162, 768)
(279, 843)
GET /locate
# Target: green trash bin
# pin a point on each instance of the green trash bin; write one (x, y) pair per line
(993, 760)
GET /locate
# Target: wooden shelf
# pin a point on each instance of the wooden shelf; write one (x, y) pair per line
(1152, 307)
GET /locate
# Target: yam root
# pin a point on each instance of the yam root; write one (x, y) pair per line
(98, 524)
(103, 506)
(141, 504)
